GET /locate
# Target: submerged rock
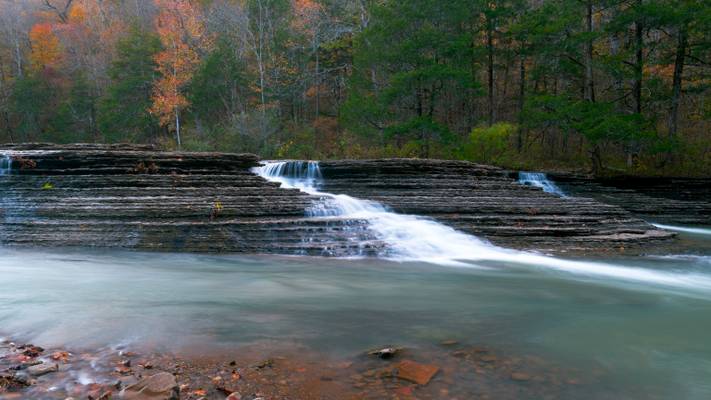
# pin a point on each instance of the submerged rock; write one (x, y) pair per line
(42, 369)
(415, 372)
(385, 353)
(161, 386)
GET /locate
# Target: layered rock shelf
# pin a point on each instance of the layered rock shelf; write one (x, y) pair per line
(135, 197)
(486, 201)
(675, 201)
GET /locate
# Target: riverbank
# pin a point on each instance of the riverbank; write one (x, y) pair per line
(632, 327)
(447, 369)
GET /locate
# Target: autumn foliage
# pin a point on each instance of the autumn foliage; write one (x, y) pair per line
(181, 31)
(45, 49)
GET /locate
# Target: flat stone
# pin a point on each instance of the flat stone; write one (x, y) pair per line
(415, 372)
(161, 386)
(520, 376)
(42, 369)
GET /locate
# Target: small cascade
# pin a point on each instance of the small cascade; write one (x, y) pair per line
(5, 164)
(685, 229)
(540, 180)
(414, 238)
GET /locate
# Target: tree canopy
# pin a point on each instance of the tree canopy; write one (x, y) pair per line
(610, 86)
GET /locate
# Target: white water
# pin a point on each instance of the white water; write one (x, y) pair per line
(540, 180)
(413, 238)
(5, 164)
(698, 231)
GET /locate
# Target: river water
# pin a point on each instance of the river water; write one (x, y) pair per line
(634, 327)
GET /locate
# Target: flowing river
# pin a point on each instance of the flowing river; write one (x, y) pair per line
(631, 327)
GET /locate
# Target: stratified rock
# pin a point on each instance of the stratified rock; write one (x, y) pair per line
(126, 196)
(161, 386)
(676, 201)
(132, 196)
(415, 372)
(488, 202)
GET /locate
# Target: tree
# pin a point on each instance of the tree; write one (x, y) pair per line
(124, 112)
(182, 33)
(45, 50)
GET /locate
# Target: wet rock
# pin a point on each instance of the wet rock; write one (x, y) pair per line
(489, 358)
(520, 376)
(42, 369)
(31, 351)
(384, 353)
(161, 386)
(12, 382)
(415, 372)
(268, 363)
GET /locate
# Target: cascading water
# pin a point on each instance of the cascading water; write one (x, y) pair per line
(413, 238)
(540, 180)
(686, 229)
(5, 164)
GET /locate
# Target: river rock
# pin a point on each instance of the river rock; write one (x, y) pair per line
(42, 369)
(415, 372)
(161, 386)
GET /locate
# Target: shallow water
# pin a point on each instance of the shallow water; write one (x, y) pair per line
(649, 339)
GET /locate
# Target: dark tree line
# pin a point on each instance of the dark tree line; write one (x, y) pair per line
(614, 86)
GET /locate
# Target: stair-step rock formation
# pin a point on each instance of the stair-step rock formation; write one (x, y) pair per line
(135, 197)
(127, 196)
(677, 201)
(487, 202)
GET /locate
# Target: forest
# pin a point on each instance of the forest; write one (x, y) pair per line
(612, 87)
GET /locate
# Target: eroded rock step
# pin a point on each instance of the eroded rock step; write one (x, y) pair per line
(669, 200)
(136, 197)
(487, 202)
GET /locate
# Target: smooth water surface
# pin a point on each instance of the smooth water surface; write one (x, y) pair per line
(648, 337)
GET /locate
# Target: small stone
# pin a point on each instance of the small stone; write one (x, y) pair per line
(60, 356)
(42, 369)
(520, 376)
(159, 386)
(384, 353)
(488, 358)
(234, 396)
(449, 343)
(416, 372)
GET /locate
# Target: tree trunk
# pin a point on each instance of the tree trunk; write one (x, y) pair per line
(490, 66)
(639, 61)
(177, 127)
(589, 89)
(596, 160)
(521, 100)
(682, 44)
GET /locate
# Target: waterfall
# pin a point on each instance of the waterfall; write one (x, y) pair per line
(5, 164)
(414, 238)
(540, 180)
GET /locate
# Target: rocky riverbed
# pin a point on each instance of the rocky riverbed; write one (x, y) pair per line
(127, 196)
(448, 369)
